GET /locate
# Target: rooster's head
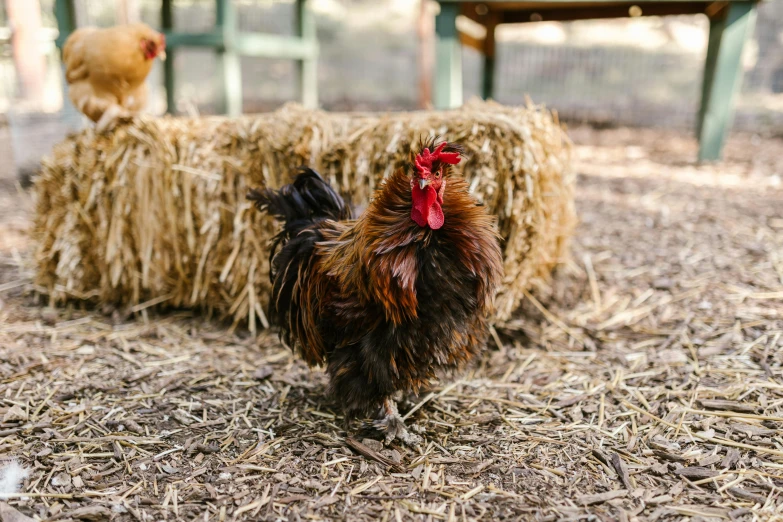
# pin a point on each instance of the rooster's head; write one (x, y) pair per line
(431, 166)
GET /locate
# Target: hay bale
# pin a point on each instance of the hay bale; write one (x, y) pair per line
(155, 212)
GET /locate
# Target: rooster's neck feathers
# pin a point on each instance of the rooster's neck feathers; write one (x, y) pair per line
(386, 242)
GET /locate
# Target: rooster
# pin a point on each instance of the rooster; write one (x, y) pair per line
(106, 70)
(393, 299)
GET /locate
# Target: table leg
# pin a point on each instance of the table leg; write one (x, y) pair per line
(722, 76)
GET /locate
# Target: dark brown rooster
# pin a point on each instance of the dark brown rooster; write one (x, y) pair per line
(388, 301)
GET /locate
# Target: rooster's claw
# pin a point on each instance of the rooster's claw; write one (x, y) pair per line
(394, 427)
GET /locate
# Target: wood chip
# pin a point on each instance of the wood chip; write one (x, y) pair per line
(731, 458)
(371, 454)
(747, 495)
(622, 471)
(696, 472)
(722, 404)
(9, 514)
(599, 498)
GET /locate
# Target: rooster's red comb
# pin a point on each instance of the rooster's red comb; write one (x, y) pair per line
(425, 159)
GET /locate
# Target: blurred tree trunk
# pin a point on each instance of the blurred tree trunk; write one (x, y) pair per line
(426, 30)
(128, 11)
(24, 17)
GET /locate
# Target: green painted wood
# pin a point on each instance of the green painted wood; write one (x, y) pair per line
(167, 20)
(723, 77)
(228, 58)
(308, 48)
(231, 81)
(713, 44)
(176, 39)
(248, 44)
(66, 20)
(448, 55)
(488, 77)
(274, 46)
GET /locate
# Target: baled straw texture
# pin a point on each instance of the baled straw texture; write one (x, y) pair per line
(154, 213)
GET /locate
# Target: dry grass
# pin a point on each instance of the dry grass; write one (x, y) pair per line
(647, 384)
(155, 213)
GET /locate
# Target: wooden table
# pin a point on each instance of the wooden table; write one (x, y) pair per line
(230, 44)
(731, 23)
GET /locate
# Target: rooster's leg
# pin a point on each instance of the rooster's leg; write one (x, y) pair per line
(392, 424)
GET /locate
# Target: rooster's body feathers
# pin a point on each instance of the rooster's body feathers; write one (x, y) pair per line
(385, 303)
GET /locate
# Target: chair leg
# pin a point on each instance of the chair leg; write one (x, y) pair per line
(722, 76)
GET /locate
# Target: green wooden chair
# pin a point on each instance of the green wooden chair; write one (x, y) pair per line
(731, 24)
(230, 44)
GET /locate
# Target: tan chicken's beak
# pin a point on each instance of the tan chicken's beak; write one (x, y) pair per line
(162, 56)
(423, 183)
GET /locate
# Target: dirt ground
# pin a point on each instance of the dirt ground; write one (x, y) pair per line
(646, 384)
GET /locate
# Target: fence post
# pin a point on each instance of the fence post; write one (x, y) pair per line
(228, 59)
(308, 67)
(167, 21)
(448, 57)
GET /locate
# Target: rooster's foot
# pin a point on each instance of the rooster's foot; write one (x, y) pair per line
(393, 426)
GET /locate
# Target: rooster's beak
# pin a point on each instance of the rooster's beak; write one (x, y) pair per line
(162, 56)
(423, 183)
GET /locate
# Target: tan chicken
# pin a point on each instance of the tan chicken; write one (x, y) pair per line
(106, 69)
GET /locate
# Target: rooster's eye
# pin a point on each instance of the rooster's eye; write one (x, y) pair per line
(437, 174)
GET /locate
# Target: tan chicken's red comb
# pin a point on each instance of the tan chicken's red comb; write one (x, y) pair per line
(425, 159)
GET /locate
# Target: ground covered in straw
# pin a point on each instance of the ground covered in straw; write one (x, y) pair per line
(646, 385)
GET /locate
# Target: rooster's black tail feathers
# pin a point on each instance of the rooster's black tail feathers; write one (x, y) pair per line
(308, 200)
